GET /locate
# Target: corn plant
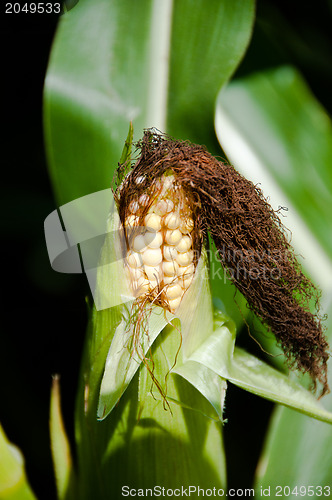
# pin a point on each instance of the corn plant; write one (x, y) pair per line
(160, 347)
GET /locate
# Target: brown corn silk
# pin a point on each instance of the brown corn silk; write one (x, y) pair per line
(250, 239)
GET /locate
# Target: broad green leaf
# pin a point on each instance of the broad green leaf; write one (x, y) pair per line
(113, 62)
(13, 482)
(277, 135)
(196, 310)
(284, 139)
(126, 389)
(207, 382)
(246, 371)
(126, 353)
(61, 453)
(304, 445)
(139, 442)
(208, 41)
(149, 62)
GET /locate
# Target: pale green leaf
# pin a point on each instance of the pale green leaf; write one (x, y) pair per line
(196, 311)
(61, 453)
(275, 132)
(248, 372)
(127, 350)
(304, 444)
(207, 382)
(13, 482)
(151, 62)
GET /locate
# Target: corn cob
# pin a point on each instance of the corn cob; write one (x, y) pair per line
(160, 257)
(247, 233)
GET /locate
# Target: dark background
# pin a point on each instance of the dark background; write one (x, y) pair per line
(44, 315)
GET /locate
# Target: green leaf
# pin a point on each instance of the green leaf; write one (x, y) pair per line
(278, 135)
(13, 482)
(304, 444)
(122, 360)
(128, 395)
(113, 62)
(207, 382)
(208, 41)
(246, 371)
(196, 309)
(61, 453)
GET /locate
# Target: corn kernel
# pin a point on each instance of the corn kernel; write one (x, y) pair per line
(160, 208)
(153, 273)
(152, 256)
(170, 280)
(170, 253)
(184, 244)
(173, 236)
(174, 303)
(173, 291)
(152, 222)
(131, 222)
(139, 243)
(187, 282)
(184, 259)
(136, 274)
(170, 205)
(133, 207)
(186, 270)
(170, 268)
(144, 200)
(172, 220)
(153, 240)
(187, 225)
(134, 259)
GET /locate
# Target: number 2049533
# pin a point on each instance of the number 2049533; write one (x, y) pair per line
(32, 8)
(307, 491)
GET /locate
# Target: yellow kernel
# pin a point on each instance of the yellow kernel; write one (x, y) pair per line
(134, 259)
(153, 273)
(187, 282)
(173, 291)
(170, 205)
(139, 243)
(136, 274)
(185, 258)
(153, 240)
(173, 236)
(144, 200)
(167, 182)
(141, 287)
(154, 285)
(140, 179)
(186, 271)
(152, 256)
(170, 268)
(170, 253)
(133, 207)
(160, 208)
(131, 221)
(174, 303)
(172, 220)
(184, 244)
(186, 225)
(170, 279)
(152, 222)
